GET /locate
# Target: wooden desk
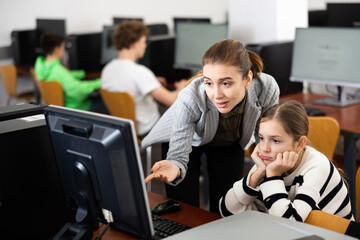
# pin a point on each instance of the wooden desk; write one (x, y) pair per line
(348, 118)
(188, 215)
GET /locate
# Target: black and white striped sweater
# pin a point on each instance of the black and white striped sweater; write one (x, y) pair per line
(315, 184)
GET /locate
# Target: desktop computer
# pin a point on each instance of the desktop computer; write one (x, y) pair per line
(84, 51)
(23, 45)
(277, 58)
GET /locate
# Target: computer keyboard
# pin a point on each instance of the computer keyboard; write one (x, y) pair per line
(164, 227)
(310, 111)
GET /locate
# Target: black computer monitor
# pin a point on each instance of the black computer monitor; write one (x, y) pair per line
(108, 51)
(56, 26)
(192, 41)
(100, 168)
(177, 20)
(343, 14)
(117, 20)
(327, 56)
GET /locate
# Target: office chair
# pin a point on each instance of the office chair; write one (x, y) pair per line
(323, 134)
(51, 92)
(122, 104)
(9, 78)
(334, 223)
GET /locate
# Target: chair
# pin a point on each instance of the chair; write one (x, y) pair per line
(9, 78)
(357, 190)
(51, 92)
(334, 223)
(323, 134)
(122, 104)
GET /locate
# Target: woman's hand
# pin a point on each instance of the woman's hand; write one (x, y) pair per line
(283, 163)
(259, 173)
(165, 171)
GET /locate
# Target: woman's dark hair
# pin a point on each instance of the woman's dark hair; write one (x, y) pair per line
(292, 116)
(232, 52)
(49, 41)
(128, 33)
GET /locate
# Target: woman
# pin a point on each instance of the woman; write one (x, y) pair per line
(215, 114)
(289, 179)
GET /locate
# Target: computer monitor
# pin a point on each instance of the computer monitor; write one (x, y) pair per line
(117, 20)
(100, 170)
(327, 56)
(192, 41)
(177, 20)
(343, 14)
(108, 51)
(56, 26)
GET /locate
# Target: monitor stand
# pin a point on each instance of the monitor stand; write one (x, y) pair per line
(340, 101)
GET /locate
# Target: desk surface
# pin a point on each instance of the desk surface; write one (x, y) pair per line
(188, 215)
(348, 117)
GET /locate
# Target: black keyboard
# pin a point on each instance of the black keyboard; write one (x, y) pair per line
(164, 227)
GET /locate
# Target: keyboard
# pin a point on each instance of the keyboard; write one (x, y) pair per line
(310, 111)
(164, 227)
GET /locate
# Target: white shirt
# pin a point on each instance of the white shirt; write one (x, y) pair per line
(123, 75)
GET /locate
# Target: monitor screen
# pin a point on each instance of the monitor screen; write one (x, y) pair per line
(327, 56)
(100, 169)
(108, 51)
(117, 20)
(192, 41)
(343, 14)
(177, 20)
(51, 26)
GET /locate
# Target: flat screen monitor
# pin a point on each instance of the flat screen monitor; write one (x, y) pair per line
(100, 170)
(108, 51)
(343, 14)
(51, 26)
(177, 20)
(327, 56)
(117, 20)
(192, 41)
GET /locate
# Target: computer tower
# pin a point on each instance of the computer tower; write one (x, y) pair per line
(23, 45)
(84, 51)
(277, 58)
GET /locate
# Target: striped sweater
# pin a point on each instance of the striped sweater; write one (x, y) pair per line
(314, 185)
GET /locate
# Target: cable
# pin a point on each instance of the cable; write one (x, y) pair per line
(103, 232)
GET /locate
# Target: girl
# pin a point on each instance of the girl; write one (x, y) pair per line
(289, 178)
(215, 114)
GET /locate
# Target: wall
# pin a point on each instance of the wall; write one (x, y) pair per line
(90, 15)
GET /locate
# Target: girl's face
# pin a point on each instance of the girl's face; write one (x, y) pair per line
(225, 86)
(274, 140)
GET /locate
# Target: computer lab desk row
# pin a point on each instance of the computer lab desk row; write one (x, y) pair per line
(247, 225)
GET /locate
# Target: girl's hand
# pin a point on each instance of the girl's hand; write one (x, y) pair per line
(165, 171)
(259, 173)
(283, 163)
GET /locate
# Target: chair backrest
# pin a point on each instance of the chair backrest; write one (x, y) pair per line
(323, 134)
(9, 78)
(328, 221)
(51, 92)
(357, 190)
(119, 104)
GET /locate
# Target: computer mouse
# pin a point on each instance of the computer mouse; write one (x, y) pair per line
(167, 206)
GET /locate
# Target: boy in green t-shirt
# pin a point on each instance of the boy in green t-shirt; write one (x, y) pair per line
(49, 68)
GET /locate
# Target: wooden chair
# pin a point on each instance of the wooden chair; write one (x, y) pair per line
(51, 92)
(9, 78)
(323, 134)
(122, 104)
(334, 223)
(357, 190)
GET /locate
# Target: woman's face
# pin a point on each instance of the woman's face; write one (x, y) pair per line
(225, 86)
(274, 140)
